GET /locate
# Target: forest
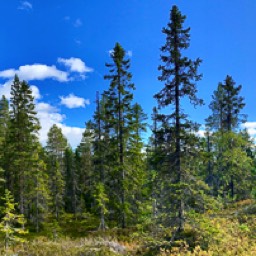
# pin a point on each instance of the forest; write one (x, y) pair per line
(176, 193)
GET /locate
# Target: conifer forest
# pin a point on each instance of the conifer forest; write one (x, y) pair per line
(119, 193)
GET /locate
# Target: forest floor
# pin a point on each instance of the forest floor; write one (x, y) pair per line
(230, 231)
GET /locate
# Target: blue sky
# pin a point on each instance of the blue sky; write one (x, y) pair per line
(61, 47)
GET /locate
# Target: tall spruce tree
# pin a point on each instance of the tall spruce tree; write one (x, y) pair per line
(21, 146)
(56, 146)
(119, 107)
(179, 75)
(100, 143)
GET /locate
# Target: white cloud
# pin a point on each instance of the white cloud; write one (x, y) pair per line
(48, 116)
(72, 101)
(35, 92)
(25, 5)
(73, 134)
(250, 127)
(5, 89)
(67, 18)
(75, 65)
(36, 72)
(7, 73)
(200, 133)
(111, 52)
(78, 23)
(41, 71)
(129, 53)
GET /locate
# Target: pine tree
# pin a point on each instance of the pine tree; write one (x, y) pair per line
(179, 75)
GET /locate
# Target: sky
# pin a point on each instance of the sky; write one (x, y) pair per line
(61, 46)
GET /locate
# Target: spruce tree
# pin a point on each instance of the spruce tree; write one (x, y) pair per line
(119, 104)
(9, 222)
(84, 167)
(71, 181)
(21, 146)
(232, 165)
(39, 192)
(226, 106)
(179, 74)
(4, 119)
(100, 142)
(137, 180)
(226, 117)
(4, 122)
(56, 146)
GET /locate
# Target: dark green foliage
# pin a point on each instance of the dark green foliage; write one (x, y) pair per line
(71, 182)
(84, 167)
(118, 108)
(179, 75)
(162, 199)
(56, 146)
(4, 120)
(226, 106)
(21, 152)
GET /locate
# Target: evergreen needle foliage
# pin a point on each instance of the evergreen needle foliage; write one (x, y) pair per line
(116, 194)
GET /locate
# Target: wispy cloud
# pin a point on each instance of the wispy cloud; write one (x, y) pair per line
(75, 65)
(67, 18)
(78, 23)
(129, 53)
(25, 5)
(72, 101)
(110, 52)
(78, 42)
